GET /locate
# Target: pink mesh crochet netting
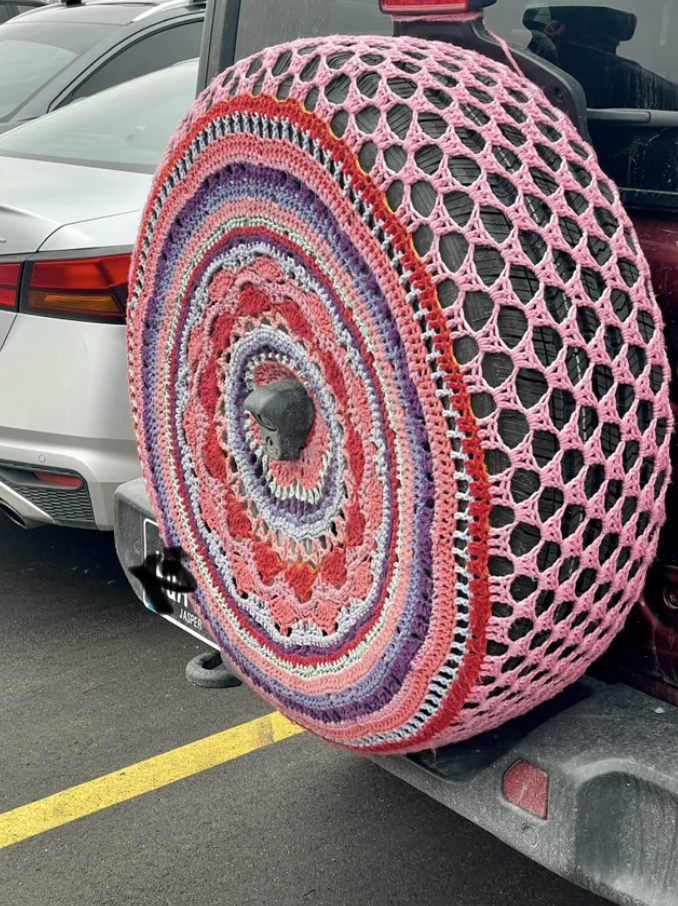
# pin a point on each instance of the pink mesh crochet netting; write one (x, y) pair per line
(411, 232)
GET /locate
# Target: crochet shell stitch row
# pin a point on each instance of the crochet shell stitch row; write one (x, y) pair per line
(412, 232)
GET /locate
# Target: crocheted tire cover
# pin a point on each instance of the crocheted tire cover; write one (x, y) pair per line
(412, 232)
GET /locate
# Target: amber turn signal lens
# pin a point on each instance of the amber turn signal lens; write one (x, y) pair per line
(78, 304)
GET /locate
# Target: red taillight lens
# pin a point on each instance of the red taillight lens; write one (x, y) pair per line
(424, 6)
(92, 288)
(64, 481)
(9, 284)
(527, 787)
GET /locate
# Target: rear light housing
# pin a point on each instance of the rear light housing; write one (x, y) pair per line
(89, 289)
(9, 285)
(527, 787)
(403, 7)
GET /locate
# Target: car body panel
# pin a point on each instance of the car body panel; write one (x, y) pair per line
(116, 230)
(84, 395)
(38, 197)
(130, 23)
(66, 406)
(22, 230)
(6, 321)
(115, 13)
(80, 404)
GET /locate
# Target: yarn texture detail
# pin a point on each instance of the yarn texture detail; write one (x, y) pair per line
(412, 232)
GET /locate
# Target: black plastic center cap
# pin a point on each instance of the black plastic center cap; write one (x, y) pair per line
(284, 412)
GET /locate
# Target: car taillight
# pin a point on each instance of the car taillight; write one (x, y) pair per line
(424, 6)
(9, 284)
(87, 288)
(527, 787)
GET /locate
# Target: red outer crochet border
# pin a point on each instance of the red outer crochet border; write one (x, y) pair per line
(481, 505)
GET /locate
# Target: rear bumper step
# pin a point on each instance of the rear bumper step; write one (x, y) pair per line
(611, 755)
(610, 752)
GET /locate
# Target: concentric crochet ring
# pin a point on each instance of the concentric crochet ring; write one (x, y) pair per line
(410, 232)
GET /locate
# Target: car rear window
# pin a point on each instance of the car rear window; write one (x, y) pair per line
(33, 53)
(116, 128)
(266, 22)
(623, 52)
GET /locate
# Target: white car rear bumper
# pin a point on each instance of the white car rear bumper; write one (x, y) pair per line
(64, 407)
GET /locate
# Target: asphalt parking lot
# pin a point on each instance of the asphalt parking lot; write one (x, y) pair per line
(91, 684)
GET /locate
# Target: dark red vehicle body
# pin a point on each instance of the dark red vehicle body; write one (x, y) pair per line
(646, 655)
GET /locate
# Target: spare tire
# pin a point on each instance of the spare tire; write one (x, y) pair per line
(412, 233)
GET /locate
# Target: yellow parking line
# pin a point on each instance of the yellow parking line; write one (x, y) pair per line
(95, 795)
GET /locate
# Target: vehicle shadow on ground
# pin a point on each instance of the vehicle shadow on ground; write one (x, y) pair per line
(42, 558)
(360, 836)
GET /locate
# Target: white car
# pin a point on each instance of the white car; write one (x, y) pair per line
(72, 188)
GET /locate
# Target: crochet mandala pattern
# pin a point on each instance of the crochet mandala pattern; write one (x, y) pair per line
(412, 232)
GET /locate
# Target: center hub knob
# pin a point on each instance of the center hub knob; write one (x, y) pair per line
(284, 412)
